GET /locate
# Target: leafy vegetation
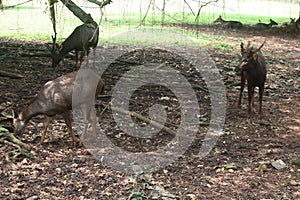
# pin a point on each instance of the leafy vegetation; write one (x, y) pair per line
(15, 27)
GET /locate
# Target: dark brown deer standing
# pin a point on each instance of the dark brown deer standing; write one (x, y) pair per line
(56, 98)
(229, 24)
(81, 39)
(253, 68)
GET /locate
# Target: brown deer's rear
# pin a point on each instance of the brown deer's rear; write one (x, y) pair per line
(56, 98)
(253, 68)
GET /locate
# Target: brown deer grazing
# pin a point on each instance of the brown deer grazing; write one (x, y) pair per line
(56, 98)
(229, 24)
(81, 39)
(263, 26)
(253, 68)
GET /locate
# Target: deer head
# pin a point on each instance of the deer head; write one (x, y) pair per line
(249, 55)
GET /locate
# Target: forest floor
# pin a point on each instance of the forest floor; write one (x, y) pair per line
(242, 164)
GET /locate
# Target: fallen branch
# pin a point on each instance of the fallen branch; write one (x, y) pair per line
(203, 88)
(140, 117)
(101, 4)
(10, 74)
(8, 7)
(40, 55)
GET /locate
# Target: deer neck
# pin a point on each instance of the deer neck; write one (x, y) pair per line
(30, 111)
(68, 45)
(26, 114)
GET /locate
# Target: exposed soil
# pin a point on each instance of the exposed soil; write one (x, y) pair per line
(238, 167)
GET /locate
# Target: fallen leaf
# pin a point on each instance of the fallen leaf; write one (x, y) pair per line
(278, 164)
(294, 183)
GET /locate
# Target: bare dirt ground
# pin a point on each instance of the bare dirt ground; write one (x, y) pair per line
(239, 166)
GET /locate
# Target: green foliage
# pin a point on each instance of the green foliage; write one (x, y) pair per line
(22, 8)
(296, 162)
(223, 46)
(242, 145)
(264, 123)
(2, 129)
(137, 195)
(16, 27)
(252, 19)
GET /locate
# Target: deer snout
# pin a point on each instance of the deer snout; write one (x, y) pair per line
(238, 68)
(19, 126)
(56, 58)
(243, 62)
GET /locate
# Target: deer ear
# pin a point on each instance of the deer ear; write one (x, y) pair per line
(255, 56)
(242, 47)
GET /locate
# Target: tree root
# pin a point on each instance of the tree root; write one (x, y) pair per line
(10, 74)
(10, 137)
(10, 140)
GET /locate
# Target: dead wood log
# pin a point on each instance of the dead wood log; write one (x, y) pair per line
(10, 74)
(40, 55)
(140, 117)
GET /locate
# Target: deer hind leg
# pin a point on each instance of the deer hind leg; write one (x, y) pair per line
(46, 123)
(86, 111)
(79, 58)
(68, 119)
(250, 98)
(261, 91)
(86, 51)
(243, 82)
(90, 116)
(94, 54)
(252, 94)
(93, 119)
(84, 107)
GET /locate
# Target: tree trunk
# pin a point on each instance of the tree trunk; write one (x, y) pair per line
(78, 12)
(163, 13)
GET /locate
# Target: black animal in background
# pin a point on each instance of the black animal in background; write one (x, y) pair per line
(252, 67)
(263, 26)
(229, 24)
(81, 40)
